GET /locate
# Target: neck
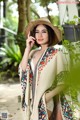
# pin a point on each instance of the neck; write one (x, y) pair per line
(44, 47)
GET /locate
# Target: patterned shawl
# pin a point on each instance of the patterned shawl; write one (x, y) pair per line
(52, 64)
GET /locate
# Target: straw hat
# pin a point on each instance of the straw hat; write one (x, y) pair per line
(43, 20)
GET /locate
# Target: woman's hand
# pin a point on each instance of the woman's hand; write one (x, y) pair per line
(30, 41)
(29, 44)
(49, 95)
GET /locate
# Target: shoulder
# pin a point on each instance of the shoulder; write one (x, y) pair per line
(57, 51)
(61, 50)
(61, 53)
(63, 56)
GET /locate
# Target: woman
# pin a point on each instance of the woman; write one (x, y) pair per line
(42, 72)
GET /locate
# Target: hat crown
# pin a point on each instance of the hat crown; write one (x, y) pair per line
(42, 19)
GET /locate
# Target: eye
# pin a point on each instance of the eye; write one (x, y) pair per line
(44, 31)
(36, 31)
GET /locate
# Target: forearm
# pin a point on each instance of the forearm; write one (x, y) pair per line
(54, 92)
(24, 60)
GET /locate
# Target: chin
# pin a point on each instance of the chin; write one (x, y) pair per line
(40, 43)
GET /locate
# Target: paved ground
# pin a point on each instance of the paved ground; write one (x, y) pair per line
(10, 105)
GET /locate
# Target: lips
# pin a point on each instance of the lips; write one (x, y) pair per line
(40, 39)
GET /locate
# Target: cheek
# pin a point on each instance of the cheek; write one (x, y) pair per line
(35, 36)
(47, 37)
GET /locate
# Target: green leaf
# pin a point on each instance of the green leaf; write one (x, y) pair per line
(12, 54)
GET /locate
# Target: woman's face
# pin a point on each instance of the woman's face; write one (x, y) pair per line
(41, 35)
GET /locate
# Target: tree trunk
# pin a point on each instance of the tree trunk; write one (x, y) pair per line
(21, 24)
(28, 2)
(22, 15)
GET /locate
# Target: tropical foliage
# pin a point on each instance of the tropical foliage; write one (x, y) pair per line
(72, 81)
(11, 55)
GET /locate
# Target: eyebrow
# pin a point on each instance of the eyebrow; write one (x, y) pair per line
(42, 29)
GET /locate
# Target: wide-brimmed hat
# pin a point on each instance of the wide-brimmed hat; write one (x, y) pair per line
(45, 21)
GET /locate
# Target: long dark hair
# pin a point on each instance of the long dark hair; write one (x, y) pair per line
(51, 35)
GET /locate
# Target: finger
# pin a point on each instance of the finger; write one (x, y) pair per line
(33, 38)
(32, 41)
(28, 34)
(29, 41)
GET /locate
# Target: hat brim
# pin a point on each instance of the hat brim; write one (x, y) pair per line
(55, 29)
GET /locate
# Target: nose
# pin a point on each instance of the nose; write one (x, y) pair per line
(40, 34)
